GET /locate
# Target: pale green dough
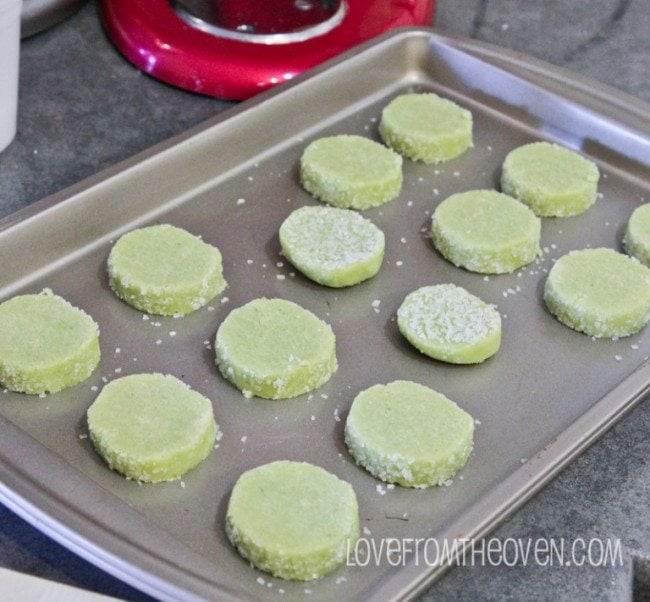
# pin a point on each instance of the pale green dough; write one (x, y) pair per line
(552, 180)
(637, 234)
(408, 434)
(599, 292)
(275, 349)
(165, 270)
(151, 427)
(485, 231)
(351, 172)
(334, 247)
(426, 127)
(46, 344)
(448, 323)
(293, 519)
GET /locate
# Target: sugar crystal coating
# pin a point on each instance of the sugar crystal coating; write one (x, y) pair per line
(351, 172)
(46, 344)
(334, 247)
(426, 127)
(599, 292)
(408, 434)
(450, 324)
(293, 519)
(485, 231)
(151, 427)
(165, 270)
(552, 180)
(637, 234)
(275, 349)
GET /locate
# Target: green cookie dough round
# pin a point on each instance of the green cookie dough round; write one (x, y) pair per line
(334, 247)
(275, 349)
(552, 180)
(408, 434)
(448, 323)
(293, 519)
(165, 270)
(46, 344)
(637, 234)
(485, 231)
(351, 172)
(151, 427)
(426, 127)
(599, 292)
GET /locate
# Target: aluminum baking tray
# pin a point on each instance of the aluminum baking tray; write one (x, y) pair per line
(539, 402)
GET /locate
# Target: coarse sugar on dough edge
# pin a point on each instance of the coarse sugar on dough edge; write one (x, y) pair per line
(633, 242)
(289, 569)
(161, 302)
(61, 375)
(404, 470)
(559, 204)
(585, 322)
(339, 193)
(166, 300)
(151, 470)
(444, 147)
(302, 377)
(285, 565)
(482, 261)
(480, 340)
(347, 271)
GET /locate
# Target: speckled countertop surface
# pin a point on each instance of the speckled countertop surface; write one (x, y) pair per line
(83, 108)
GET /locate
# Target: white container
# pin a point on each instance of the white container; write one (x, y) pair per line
(9, 47)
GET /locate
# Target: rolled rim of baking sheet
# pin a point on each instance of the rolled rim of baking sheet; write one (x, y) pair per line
(120, 540)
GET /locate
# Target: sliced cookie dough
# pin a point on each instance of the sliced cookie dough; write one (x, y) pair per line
(485, 231)
(334, 247)
(293, 519)
(351, 172)
(552, 180)
(448, 323)
(165, 270)
(637, 234)
(151, 427)
(275, 349)
(408, 434)
(46, 344)
(426, 127)
(599, 292)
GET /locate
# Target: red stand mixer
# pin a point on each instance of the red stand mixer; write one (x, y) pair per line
(236, 48)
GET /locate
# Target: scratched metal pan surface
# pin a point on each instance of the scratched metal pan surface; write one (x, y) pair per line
(542, 399)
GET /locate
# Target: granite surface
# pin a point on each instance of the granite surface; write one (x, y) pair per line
(83, 108)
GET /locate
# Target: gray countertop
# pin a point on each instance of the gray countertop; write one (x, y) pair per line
(83, 108)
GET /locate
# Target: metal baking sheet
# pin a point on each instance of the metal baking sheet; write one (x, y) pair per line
(542, 399)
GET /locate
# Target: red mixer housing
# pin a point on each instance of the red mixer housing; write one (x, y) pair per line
(236, 48)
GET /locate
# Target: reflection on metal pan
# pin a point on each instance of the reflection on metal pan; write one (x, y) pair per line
(543, 398)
